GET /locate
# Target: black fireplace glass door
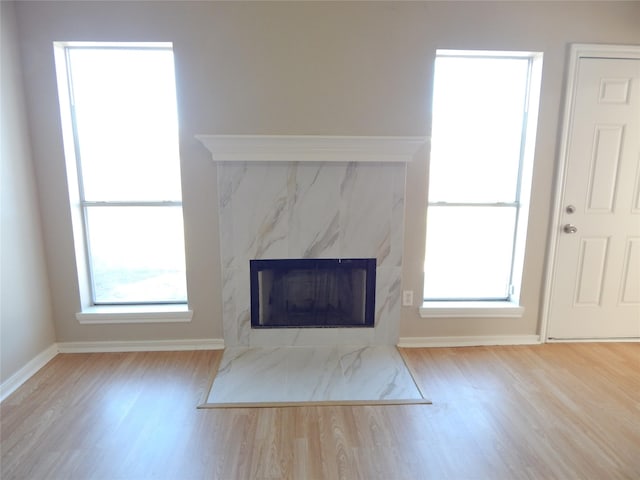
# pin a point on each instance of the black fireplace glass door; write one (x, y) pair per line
(312, 293)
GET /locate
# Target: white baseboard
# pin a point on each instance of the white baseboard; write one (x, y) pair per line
(141, 346)
(595, 340)
(470, 341)
(14, 381)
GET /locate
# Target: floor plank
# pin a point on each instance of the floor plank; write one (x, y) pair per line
(564, 411)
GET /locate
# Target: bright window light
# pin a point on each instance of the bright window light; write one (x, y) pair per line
(124, 122)
(479, 143)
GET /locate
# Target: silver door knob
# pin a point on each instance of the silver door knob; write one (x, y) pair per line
(568, 228)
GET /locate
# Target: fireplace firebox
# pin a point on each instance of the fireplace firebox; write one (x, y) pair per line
(316, 293)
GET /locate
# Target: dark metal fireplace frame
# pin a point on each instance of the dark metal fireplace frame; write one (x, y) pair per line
(305, 264)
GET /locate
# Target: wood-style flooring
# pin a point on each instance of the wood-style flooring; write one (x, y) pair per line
(555, 411)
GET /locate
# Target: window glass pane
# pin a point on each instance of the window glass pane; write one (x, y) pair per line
(468, 252)
(478, 107)
(137, 254)
(127, 125)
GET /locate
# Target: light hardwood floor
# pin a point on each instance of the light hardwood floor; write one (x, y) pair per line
(567, 411)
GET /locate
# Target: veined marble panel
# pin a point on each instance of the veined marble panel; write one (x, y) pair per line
(313, 337)
(314, 206)
(310, 210)
(367, 196)
(290, 374)
(388, 304)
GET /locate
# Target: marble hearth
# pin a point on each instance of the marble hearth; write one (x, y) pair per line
(310, 197)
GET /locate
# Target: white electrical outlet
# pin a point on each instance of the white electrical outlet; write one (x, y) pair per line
(407, 298)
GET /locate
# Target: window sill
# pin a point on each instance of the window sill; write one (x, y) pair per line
(135, 314)
(471, 310)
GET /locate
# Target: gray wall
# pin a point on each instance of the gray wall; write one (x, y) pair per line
(361, 68)
(26, 325)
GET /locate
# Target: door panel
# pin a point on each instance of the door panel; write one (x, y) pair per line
(631, 279)
(604, 168)
(596, 276)
(591, 268)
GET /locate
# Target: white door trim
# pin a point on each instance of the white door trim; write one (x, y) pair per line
(577, 51)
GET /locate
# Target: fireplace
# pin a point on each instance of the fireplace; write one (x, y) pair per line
(311, 197)
(318, 293)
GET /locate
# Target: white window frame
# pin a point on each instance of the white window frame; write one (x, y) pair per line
(89, 312)
(509, 307)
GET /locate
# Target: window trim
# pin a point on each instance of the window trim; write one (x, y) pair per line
(148, 313)
(508, 307)
(471, 309)
(90, 312)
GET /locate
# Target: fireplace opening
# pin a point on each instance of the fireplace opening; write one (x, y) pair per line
(313, 292)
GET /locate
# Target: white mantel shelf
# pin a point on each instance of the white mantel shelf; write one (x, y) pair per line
(311, 148)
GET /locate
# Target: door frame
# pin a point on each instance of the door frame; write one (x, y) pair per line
(577, 51)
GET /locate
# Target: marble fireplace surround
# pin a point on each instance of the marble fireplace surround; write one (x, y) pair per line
(310, 197)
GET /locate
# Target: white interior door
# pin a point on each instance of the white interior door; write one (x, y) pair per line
(595, 285)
